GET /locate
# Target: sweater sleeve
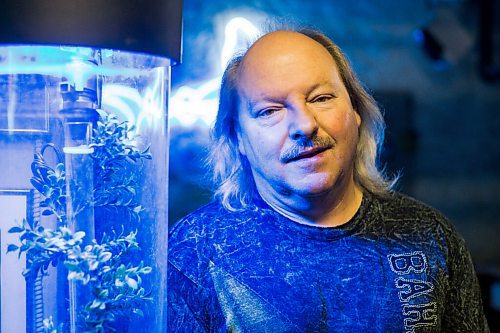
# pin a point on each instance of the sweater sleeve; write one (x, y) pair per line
(464, 309)
(182, 315)
(191, 303)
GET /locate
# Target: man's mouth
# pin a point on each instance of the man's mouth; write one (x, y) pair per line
(308, 153)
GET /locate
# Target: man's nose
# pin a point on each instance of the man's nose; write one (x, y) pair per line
(302, 121)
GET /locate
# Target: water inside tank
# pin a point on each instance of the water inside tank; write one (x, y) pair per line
(83, 190)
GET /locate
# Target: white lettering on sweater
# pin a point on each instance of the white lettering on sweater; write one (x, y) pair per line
(411, 291)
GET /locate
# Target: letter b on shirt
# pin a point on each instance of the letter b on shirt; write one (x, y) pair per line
(408, 262)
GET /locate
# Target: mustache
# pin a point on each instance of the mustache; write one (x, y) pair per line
(304, 144)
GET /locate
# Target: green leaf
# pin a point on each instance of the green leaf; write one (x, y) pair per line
(119, 283)
(105, 256)
(146, 270)
(131, 282)
(26, 235)
(12, 248)
(37, 184)
(104, 293)
(79, 235)
(47, 212)
(138, 312)
(14, 230)
(59, 171)
(93, 265)
(52, 179)
(95, 304)
(71, 266)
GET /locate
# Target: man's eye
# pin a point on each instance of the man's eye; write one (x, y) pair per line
(322, 98)
(267, 112)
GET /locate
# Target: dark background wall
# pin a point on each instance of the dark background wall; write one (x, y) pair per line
(443, 115)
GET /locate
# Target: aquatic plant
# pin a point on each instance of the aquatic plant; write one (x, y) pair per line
(104, 268)
(115, 187)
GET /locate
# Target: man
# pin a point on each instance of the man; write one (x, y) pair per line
(305, 234)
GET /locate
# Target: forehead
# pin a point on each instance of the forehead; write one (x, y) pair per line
(285, 60)
(278, 42)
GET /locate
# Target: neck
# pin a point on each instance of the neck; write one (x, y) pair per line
(326, 210)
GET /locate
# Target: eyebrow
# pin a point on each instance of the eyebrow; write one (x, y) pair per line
(251, 104)
(265, 98)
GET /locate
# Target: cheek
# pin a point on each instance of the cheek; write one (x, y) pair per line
(351, 122)
(338, 125)
(351, 131)
(261, 146)
(343, 128)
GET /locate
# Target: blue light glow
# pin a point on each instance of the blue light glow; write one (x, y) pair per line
(61, 61)
(152, 108)
(139, 109)
(79, 150)
(134, 86)
(197, 105)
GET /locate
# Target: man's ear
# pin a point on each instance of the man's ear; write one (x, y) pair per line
(358, 118)
(241, 147)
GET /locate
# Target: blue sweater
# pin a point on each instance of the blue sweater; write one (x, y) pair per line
(396, 266)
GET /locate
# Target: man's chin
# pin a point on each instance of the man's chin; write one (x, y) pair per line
(321, 185)
(313, 190)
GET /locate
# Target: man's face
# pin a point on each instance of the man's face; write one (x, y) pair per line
(297, 126)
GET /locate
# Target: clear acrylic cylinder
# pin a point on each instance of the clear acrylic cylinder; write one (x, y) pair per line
(83, 190)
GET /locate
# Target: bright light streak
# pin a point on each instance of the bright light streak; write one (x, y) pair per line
(152, 108)
(139, 109)
(231, 40)
(121, 101)
(195, 105)
(191, 105)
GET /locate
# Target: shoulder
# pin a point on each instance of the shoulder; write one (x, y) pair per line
(189, 231)
(402, 213)
(405, 215)
(400, 207)
(194, 221)
(207, 220)
(194, 238)
(406, 218)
